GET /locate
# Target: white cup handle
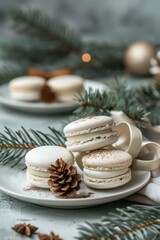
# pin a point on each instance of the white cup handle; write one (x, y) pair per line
(148, 158)
(129, 138)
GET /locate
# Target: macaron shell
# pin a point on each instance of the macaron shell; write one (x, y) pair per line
(104, 159)
(108, 183)
(104, 174)
(26, 96)
(41, 182)
(43, 157)
(88, 123)
(26, 88)
(66, 97)
(89, 133)
(26, 82)
(65, 83)
(92, 145)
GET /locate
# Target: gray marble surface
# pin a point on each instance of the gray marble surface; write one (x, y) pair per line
(63, 222)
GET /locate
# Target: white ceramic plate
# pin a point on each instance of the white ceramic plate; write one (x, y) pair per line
(39, 107)
(13, 183)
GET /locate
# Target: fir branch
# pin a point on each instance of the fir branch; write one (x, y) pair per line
(34, 51)
(149, 96)
(57, 42)
(117, 96)
(43, 41)
(15, 144)
(94, 103)
(38, 24)
(138, 114)
(126, 99)
(105, 53)
(9, 70)
(135, 222)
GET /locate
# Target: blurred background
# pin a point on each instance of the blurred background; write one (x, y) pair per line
(103, 20)
(104, 43)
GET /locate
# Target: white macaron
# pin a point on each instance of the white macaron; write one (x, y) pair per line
(26, 88)
(106, 168)
(90, 133)
(39, 159)
(66, 86)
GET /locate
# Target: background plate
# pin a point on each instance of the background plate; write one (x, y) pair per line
(39, 107)
(13, 183)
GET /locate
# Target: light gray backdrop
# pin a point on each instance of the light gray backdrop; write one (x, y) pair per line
(110, 20)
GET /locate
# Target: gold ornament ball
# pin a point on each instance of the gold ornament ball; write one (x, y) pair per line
(137, 58)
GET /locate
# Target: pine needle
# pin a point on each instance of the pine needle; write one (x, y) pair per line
(117, 96)
(37, 23)
(137, 222)
(15, 144)
(149, 96)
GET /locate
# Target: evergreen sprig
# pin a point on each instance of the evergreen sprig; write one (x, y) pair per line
(10, 70)
(37, 24)
(136, 222)
(127, 100)
(35, 52)
(106, 54)
(94, 103)
(149, 96)
(118, 96)
(15, 144)
(42, 41)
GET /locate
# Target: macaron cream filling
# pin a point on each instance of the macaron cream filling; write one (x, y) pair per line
(89, 130)
(105, 168)
(38, 173)
(112, 179)
(90, 137)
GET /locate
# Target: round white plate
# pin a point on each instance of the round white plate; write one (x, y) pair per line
(13, 183)
(39, 107)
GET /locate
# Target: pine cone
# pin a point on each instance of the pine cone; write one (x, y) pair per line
(64, 180)
(25, 229)
(51, 236)
(47, 94)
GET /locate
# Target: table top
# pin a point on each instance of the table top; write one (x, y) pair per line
(62, 222)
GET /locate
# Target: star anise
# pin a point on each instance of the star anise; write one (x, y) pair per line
(51, 236)
(25, 229)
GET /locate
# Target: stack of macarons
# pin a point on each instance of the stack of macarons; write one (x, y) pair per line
(90, 133)
(104, 166)
(28, 88)
(39, 159)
